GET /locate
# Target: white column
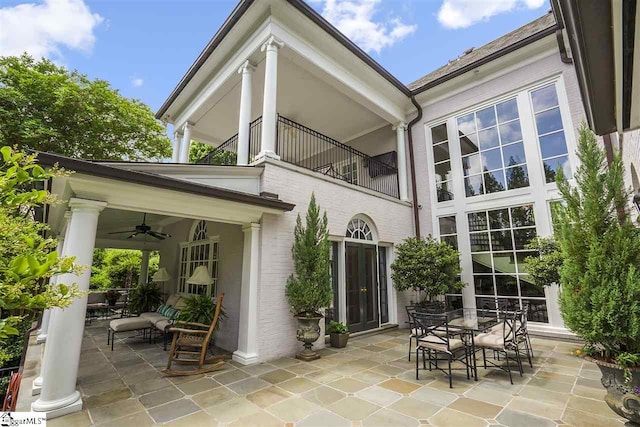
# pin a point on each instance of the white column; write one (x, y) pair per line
(46, 316)
(185, 145)
(402, 160)
(177, 142)
(247, 351)
(144, 267)
(244, 120)
(268, 139)
(62, 352)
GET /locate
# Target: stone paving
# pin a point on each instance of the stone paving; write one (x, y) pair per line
(368, 383)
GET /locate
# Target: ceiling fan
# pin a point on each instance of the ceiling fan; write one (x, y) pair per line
(143, 229)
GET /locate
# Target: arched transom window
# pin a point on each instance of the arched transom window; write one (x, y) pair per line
(200, 231)
(359, 229)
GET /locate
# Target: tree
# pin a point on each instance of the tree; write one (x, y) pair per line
(600, 274)
(45, 107)
(119, 268)
(544, 268)
(426, 265)
(309, 288)
(27, 258)
(199, 150)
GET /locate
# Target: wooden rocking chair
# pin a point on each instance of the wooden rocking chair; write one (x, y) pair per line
(193, 339)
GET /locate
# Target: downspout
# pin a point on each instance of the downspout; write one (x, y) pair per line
(414, 191)
(562, 48)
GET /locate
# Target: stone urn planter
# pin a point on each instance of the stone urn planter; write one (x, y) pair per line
(308, 332)
(622, 397)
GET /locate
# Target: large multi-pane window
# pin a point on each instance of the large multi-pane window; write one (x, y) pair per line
(499, 242)
(449, 234)
(493, 158)
(201, 250)
(442, 161)
(550, 132)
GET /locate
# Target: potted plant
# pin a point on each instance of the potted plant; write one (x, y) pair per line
(200, 309)
(427, 266)
(112, 296)
(144, 298)
(309, 289)
(599, 272)
(338, 334)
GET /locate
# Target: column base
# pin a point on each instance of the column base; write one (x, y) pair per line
(41, 338)
(36, 388)
(244, 358)
(266, 154)
(60, 407)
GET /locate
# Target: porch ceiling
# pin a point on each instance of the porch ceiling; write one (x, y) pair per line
(115, 220)
(304, 96)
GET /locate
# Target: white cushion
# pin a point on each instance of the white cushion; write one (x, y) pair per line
(152, 316)
(434, 343)
(162, 324)
(180, 304)
(490, 341)
(129, 324)
(172, 300)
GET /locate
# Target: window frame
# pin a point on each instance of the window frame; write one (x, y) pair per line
(187, 264)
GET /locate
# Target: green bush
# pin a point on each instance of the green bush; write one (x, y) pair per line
(200, 309)
(309, 290)
(143, 298)
(600, 275)
(337, 328)
(426, 265)
(544, 268)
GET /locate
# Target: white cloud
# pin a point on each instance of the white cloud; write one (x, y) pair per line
(137, 82)
(42, 28)
(355, 19)
(464, 13)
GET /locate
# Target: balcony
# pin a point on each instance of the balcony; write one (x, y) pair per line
(310, 149)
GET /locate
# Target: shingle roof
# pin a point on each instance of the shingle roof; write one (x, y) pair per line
(530, 30)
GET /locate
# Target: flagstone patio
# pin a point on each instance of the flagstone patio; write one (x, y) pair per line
(369, 383)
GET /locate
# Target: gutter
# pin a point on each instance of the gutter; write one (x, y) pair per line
(158, 181)
(412, 164)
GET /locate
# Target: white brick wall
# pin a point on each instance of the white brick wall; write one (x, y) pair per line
(393, 222)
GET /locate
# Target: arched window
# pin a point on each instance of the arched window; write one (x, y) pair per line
(359, 229)
(199, 250)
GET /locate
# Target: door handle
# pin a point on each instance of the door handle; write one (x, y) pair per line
(363, 289)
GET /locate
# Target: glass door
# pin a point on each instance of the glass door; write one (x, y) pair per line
(362, 286)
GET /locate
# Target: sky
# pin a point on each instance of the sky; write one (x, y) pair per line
(144, 47)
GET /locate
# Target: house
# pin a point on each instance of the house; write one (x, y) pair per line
(468, 153)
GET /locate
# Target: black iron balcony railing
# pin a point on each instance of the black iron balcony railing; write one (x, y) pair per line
(307, 148)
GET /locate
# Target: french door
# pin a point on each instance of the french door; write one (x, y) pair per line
(361, 286)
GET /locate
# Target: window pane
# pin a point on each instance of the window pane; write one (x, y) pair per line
(520, 257)
(528, 289)
(486, 118)
(479, 242)
(507, 285)
(483, 285)
(469, 144)
(507, 110)
(523, 237)
(551, 166)
(477, 221)
(494, 181)
(504, 262)
(510, 132)
(488, 138)
(486, 303)
(513, 154)
(544, 98)
(491, 160)
(439, 133)
(501, 240)
(549, 121)
(553, 145)
(499, 219)
(443, 170)
(466, 124)
(441, 152)
(473, 185)
(443, 189)
(447, 224)
(451, 241)
(471, 165)
(482, 263)
(517, 177)
(537, 310)
(522, 216)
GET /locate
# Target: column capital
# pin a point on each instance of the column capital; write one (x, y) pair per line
(400, 126)
(250, 227)
(187, 127)
(84, 205)
(272, 43)
(246, 68)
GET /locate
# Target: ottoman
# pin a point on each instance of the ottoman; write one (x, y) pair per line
(126, 324)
